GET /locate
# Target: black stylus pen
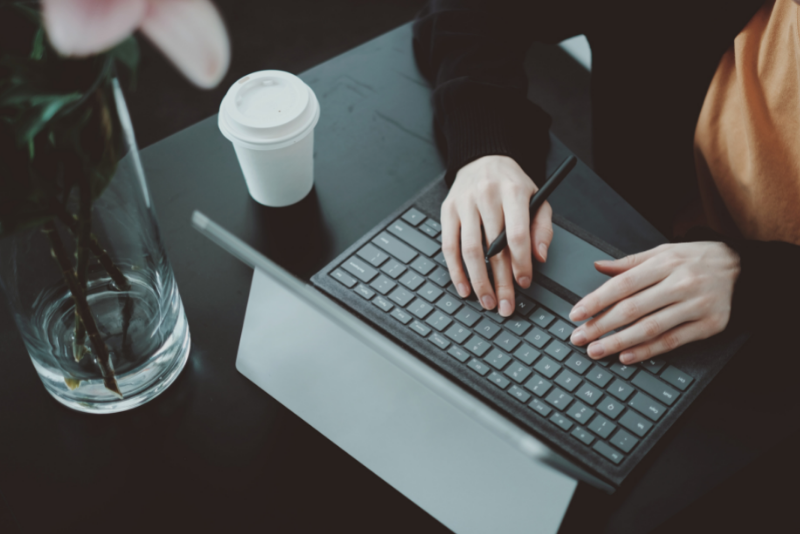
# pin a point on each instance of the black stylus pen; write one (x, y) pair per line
(536, 201)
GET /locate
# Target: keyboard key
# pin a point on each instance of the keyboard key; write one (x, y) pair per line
(625, 371)
(428, 230)
(440, 277)
(401, 315)
(487, 329)
(429, 292)
(561, 421)
(568, 380)
(395, 247)
(423, 265)
(647, 406)
(412, 280)
(601, 426)
(540, 407)
(537, 338)
(547, 367)
(477, 345)
(519, 393)
(420, 308)
(344, 278)
(419, 328)
(468, 316)
(580, 412)
(655, 387)
(609, 453)
(414, 216)
(518, 326)
(677, 378)
(623, 441)
(499, 380)
(373, 254)
(433, 224)
(635, 423)
(383, 284)
(439, 258)
(383, 303)
(439, 340)
(542, 317)
(561, 330)
(448, 304)
(498, 359)
(439, 320)
(582, 435)
(518, 372)
(620, 389)
(506, 341)
(360, 269)
(599, 376)
(458, 353)
(611, 407)
(558, 398)
(415, 238)
(458, 333)
(523, 305)
(393, 268)
(527, 354)
(538, 385)
(364, 291)
(578, 363)
(401, 296)
(478, 366)
(557, 350)
(654, 365)
(589, 394)
(496, 317)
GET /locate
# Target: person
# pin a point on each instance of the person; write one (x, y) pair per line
(694, 124)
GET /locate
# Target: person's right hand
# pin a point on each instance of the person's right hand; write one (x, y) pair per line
(493, 192)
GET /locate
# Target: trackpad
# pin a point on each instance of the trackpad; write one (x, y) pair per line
(570, 262)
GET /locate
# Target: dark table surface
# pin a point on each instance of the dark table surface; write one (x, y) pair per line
(214, 451)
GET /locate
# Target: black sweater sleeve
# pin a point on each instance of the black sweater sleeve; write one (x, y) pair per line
(473, 52)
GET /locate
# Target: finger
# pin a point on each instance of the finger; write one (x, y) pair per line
(625, 312)
(618, 288)
(451, 231)
(518, 234)
(472, 250)
(646, 329)
(615, 267)
(501, 263)
(670, 340)
(542, 231)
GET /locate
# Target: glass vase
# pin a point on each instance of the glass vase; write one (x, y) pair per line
(139, 339)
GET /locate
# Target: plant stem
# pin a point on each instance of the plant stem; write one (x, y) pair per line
(82, 307)
(120, 281)
(82, 256)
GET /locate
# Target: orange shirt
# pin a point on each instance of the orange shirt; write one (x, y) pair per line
(747, 140)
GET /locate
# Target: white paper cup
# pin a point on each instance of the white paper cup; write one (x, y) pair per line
(270, 116)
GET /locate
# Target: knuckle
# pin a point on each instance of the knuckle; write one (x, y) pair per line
(651, 327)
(473, 250)
(670, 340)
(627, 282)
(630, 310)
(449, 248)
(517, 237)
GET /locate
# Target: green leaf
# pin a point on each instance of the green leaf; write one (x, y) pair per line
(38, 45)
(31, 121)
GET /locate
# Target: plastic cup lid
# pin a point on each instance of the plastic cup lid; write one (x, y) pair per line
(268, 108)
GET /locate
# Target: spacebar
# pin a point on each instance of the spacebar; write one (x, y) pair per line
(547, 298)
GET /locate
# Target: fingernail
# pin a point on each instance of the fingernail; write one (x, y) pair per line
(626, 357)
(462, 290)
(578, 337)
(578, 313)
(524, 281)
(543, 251)
(505, 308)
(488, 302)
(596, 350)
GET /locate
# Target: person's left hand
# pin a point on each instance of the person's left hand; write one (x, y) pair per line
(670, 295)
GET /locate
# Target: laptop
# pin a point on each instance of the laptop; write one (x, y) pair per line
(519, 377)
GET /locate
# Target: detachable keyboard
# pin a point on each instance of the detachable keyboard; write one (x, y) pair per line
(604, 414)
